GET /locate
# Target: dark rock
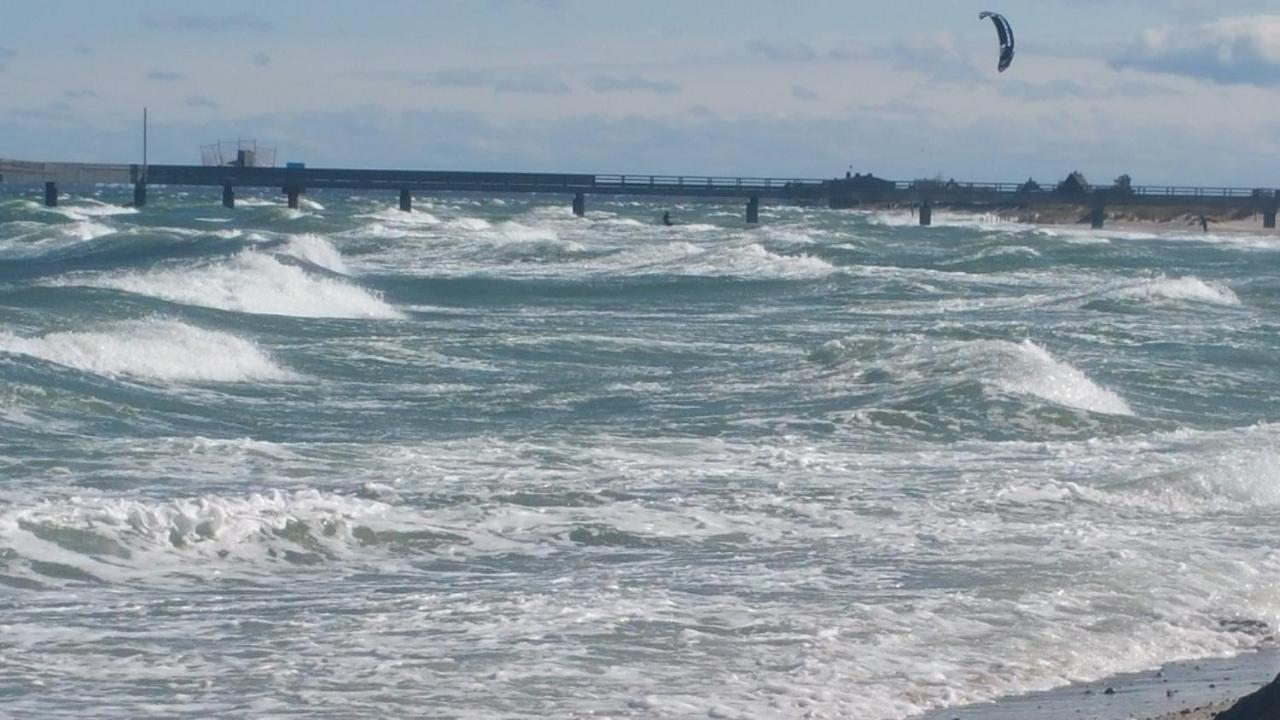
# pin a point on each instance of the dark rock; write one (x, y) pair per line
(1256, 628)
(1261, 705)
(1110, 691)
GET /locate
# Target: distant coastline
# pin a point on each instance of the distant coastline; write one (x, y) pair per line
(1139, 218)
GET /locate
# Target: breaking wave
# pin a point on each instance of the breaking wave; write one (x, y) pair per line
(155, 349)
(258, 283)
(751, 261)
(1027, 368)
(1185, 289)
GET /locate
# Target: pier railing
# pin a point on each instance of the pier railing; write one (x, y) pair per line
(698, 182)
(1149, 191)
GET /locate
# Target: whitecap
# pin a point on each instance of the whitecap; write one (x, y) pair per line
(1028, 369)
(1189, 289)
(155, 349)
(316, 250)
(251, 282)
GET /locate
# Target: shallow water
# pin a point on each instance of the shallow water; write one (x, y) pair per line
(488, 460)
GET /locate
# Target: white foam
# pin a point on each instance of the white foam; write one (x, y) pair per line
(1190, 289)
(85, 230)
(975, 221)
(316, 250)
(141, 538)
(251, 282)
(399, 218)
(155, 349)
(257, 202)
(684, 258)
(1027, 368)
(467, 223)
(87, 209)
(526, 233)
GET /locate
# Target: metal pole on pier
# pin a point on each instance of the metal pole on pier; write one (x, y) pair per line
(140, 187)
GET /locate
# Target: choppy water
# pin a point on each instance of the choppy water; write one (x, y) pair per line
(487, 460)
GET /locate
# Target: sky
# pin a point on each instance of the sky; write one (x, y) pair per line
(1168, 91)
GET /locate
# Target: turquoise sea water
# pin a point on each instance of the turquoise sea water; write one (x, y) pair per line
(488, 460)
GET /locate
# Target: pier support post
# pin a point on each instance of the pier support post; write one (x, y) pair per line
(579, 204)
(1097, 215)
(753, 210)
(293, 194)
(926, 214)
(406, 200)
(51, 194)
(139, 194)
(228, 197)
(1269, 219)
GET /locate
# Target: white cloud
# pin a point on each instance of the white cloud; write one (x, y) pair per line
(200, 101)
(801, 92)
(530, 81)
(1238, 50)
(790, 51)
(938, 56)
(631, 83)
(205, 23)
(163, 76)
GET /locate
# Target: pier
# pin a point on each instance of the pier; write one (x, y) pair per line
(294, 181)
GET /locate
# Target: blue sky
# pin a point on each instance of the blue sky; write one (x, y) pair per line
(1169, 91)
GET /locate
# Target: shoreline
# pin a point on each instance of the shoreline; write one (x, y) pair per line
(1191, 690)
(1184, 218)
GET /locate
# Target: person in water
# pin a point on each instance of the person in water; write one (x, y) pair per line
(666, 218)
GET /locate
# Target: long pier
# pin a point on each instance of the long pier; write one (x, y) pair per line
(295, 180)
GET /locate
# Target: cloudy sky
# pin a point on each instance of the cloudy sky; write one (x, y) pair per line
(1169, 91)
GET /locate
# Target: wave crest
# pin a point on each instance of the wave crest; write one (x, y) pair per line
(257, 283)
(155, 349)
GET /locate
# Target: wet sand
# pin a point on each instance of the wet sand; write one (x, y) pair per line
(1179, 691)
(1180, 219)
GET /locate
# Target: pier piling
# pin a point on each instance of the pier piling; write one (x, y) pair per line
(51, 194)
(1097, 216)
(228, 197)
(926, 214)
(139, 194)
(406, 200)
(753, 210)
(293, 194)
(579, 204)
(1269, 219)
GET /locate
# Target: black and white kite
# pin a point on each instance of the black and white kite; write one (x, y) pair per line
(1005, 31)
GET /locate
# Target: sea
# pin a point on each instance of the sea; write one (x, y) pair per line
(489, 460)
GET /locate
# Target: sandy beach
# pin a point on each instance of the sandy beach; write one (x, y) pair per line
(1134, 219)
(1196, 690)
